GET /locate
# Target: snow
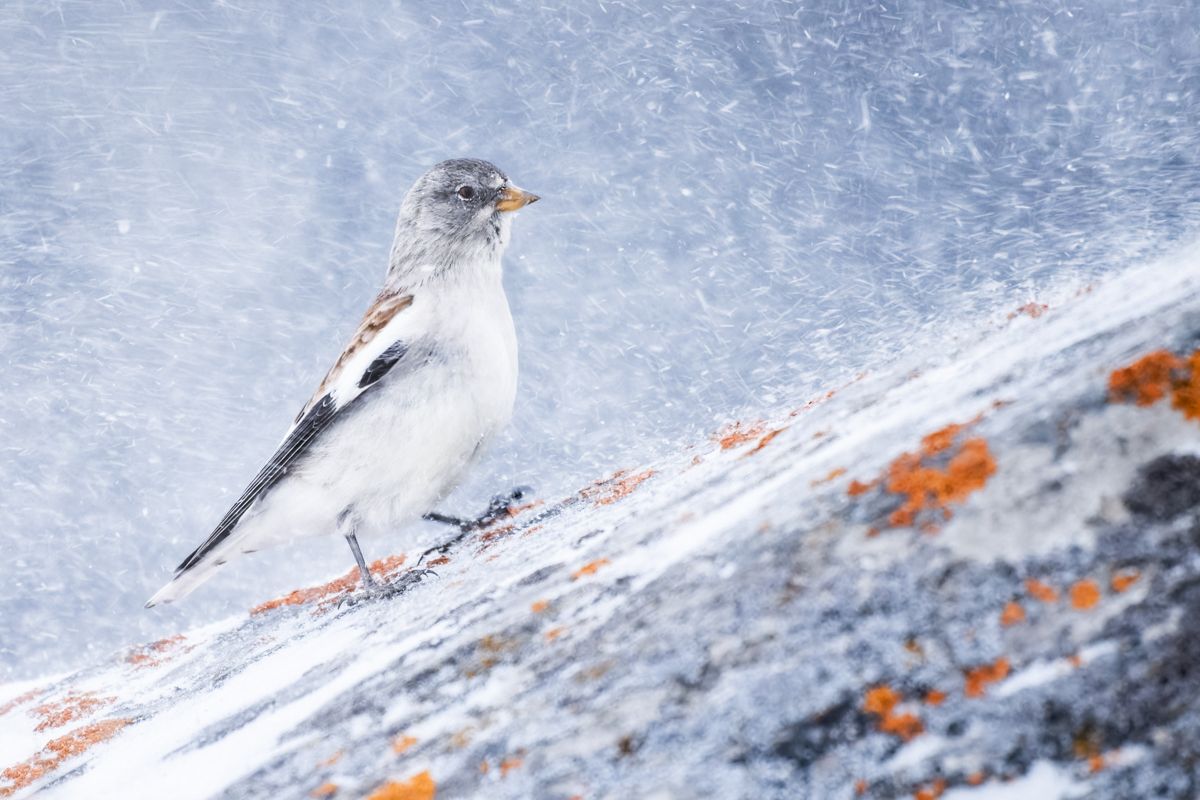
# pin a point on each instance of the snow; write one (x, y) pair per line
(1044, 781)
(198, 204)
(685, 556)
(745, 207)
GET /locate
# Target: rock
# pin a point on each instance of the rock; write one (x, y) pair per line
(975, 575)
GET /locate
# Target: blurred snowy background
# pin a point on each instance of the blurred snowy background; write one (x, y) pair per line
(743, 203)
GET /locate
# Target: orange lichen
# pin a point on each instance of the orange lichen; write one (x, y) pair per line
(540, 606)
(72, 706)
(1012, 614)
(1121, 581)
(19, 700)
(1085, 594)
(401, 744)
(977, 679)
(1185, 392)
(857, 487)
(155, 653)
(333, 759)
(1145, 381)
(882, 702)
(929, 488)
(419, 787)
(438, 562)
(833, 475)
(1151, 377)
(935, 697)
(516, 511)
(324, 790)
(904, 726)
(509, 764)
(765, 440)
(940, 440)
(554, 633)
(736, 434)
(590, 568)
(496, 533)
(334, 590)
(1030, 309)
(617, 487)
(860, 787)
(931, 792)
(1041, 591)
(976, 778)
(56, 752)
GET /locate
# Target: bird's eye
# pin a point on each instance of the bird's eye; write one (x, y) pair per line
(466, 192)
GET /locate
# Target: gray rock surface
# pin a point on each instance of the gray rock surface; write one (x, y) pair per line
(839, 597)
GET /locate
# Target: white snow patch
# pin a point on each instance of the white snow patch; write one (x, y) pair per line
(1044, 781)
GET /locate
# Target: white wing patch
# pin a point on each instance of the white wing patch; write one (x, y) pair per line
(382, 326)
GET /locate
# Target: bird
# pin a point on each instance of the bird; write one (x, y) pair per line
(427, 378)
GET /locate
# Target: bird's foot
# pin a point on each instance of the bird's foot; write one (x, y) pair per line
(388, 589)
(500, 507)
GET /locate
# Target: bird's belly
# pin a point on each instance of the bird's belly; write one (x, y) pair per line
(406, 446)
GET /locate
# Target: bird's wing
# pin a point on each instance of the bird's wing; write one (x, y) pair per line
(384, 339)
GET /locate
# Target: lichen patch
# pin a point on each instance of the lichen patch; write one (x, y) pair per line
(329, 593)
(978, 679)
(1154, 377)
(1085, 594)
(617, 487)
(57, 751)
(69, 708)
(590, 568)
(19, 700)
(156, 653)
(738, 433)
(883, 702)
(419, 787)
(942, 473)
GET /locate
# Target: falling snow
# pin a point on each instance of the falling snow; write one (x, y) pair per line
(743, 203)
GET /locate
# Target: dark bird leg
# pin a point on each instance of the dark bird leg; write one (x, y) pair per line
(368, 581)
(371, 587)
(347, 526)
(500, 506)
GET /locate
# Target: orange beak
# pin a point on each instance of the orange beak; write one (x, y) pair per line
(512, 198)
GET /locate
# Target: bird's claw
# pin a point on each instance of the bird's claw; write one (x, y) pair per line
(500, 506)
(388, 589)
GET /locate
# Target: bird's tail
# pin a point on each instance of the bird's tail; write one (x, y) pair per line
(188, 579)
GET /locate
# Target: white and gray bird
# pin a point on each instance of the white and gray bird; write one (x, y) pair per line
(428, 377)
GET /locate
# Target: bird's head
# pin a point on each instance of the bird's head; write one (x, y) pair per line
(458, 210)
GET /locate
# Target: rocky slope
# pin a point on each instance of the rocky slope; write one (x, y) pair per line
(975, 575)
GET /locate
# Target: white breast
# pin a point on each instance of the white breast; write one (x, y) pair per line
(407, 442)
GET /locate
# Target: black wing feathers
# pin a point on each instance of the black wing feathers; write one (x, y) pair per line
(310, 426)
(382, 364)
(315, 421)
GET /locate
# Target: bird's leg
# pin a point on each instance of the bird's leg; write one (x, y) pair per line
(371, 587)
(499, 507)
(368, 580)
(347, 525)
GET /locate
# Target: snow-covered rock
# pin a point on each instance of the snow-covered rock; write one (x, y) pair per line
(973, 575)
